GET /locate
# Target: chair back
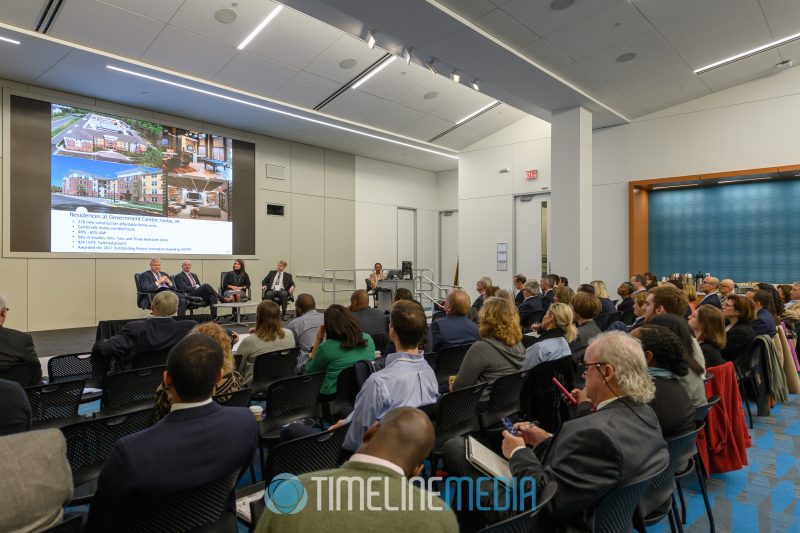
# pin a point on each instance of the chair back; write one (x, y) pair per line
(143, 299)
(504, 396)
(108, 328)
(604, 319)
(294, 398)
(122, 389)
(365, 369)
(448, 361)
(149, 359)
(23, 373)
(69, 367)
(239, 398)
(188, 510)
(541, 399)
(527, 521)
(71, 524)
(222, 282)
(54, 401)
(380, 340)
(614, 513)
(347, 388)
(456, 413)
(89, 443)
(320, 451)
(701, 412)
(237, 362)
(272, 366)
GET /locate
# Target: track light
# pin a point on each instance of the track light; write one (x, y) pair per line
(475, 85)
(456, 76)
(754, 51)
(370, 40)
(407, 56)
(432, 65)
(374, 71)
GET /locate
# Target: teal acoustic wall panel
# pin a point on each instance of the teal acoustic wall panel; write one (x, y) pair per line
(746, 231)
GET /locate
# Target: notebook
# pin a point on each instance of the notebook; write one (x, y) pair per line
(486, 460)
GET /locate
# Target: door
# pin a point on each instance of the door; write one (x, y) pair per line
(531, 235)
(448, 246)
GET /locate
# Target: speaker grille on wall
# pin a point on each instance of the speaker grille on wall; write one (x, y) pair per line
(275, 210)
(275, 172)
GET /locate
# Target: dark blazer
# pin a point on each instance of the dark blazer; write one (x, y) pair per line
(519, 298)
(738, 339)
(288, 282)
(186, 449)
(147, 281)
(625, 309)
(673, 408)
(17, 347)
(590, 456)
(371, 321)
(15, 416)
(476, 306)
(547, 298)
(141, 336)
(608, 306)
(711, 299)
(231, 279)
(452, 331)
(764, 324)
(531, 309)
(711, 354)
(183, 284)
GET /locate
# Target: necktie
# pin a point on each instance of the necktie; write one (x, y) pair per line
(278, 280)
(191, 279)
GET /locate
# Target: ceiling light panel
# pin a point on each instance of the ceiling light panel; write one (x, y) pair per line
(477, 112)
(263, 24)
(374, 72)
(7, 40)
(748, 53)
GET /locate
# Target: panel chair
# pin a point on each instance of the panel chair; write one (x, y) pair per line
(192, 302)
(143, 299)
(55, 404)
(22, 373)
(270, 367)
(614, 513)
(245, 297)
(130, 390)
(69, 367)
(527, 521)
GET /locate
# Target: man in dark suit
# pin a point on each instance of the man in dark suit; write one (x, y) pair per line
(371, 321)
(278, 286)
(482, 285)
(710, 286)
(187, 282)
(16, 346)
(456, 328)
(532, 309)
(15, 416)
(519, 284)
(198, 442)
(154, 281)
(625, 305)
(156, 333)
(547, 287)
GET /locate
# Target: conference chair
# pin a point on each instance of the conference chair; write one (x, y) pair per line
(527, 521)
(130, 390)
(504, 399)
(541, 398)
(239, 398)
(56, 404)
(149, 359)
(270, 367)
(321, 451)
(614, 513)
(453, 415)
(69, 367)
(69, 524)
(448, 361)
(140, 301)
(22, 373)
(108, 328)
(750, 376)
(603, 320)
(344, 400)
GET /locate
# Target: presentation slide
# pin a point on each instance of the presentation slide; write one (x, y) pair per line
(122, 185)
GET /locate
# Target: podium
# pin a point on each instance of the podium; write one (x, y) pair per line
(386, 289)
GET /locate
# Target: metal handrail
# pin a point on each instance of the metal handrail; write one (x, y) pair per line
(331, 273)
(444, 287)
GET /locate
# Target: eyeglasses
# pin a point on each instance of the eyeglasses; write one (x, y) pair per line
(584, 367)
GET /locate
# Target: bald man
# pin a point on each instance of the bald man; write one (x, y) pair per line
(710, 286)
(393, 449)
(726, 287)
(456, 328)
(371, 321)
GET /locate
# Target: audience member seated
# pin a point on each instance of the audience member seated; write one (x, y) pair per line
(456, 328)
(708, 325)
(519, 284)
(785, 294)
(586, 287)
(586, 307)
(406, 380)
(425, 341)
(340, 344)
(531, 308)
(305, 326)
(37, 480)
(154, 281)
(601, 292)
(638, 281)
(403, 294)
(639, 311)
(506, 294)
(499, 351)
(626, 303)
(156, 333)
(691, 295)
(553, 343)
(15, 416)
(278, 286)
(370, 320)
(269, 335)
(764, 324)
(726, 287)
(650, 280)
(16, 346)
(740, 312)
(235, 284)
(693, 355)
(563, 295)
(710, 287)
(778, 305)
(393, 450)
(198, 442)
(231, 380)
(548, 285)
(563, 281)
(480, 286)
(665, 364)
(618, 443)
(188, 282)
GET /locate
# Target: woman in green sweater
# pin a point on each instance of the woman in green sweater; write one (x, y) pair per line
(344, 344)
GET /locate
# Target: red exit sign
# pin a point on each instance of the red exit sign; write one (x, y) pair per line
(531, 174)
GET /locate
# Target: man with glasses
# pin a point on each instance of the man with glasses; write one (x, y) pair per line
(709, 287)
(726, 287)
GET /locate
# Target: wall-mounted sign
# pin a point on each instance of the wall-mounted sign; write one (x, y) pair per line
(502, 256)
(531, 174)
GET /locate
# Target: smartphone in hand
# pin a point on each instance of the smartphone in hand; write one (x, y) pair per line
(510, 426)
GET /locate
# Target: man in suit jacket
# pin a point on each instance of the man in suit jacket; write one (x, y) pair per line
(16, 346)
(198, 442)
(710, 286)
(547, 287)
(456, 328)
(278, 286)
(37, 480)
(625, 305)
(15, 416)
(532, 309)
(481, 286)
(371, 321)
(155, 281)
(156, 333)
(188, 282)
(519, 284)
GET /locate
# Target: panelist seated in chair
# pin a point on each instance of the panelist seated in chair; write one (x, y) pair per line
(154, 281)
(197, 443)
(188, 282)
(155, 333)
(278, 286)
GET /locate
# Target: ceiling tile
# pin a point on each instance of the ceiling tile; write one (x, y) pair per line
(197, 16)
(354, 105)
(546, 55)
(791, 52)
(544, 20)
(495, 119)
(188, 52)
(628, 108)
(443, 88)
(784, 23)
(773, 7)
(710, 22)
(347, 47)
(306, 90)
(499, 3)
(727, 45)
(426, 127)
(599, 31)
(29, 60)
(162, 10)
(22, 14)
(469, 9)
(255, 74)
(392, 117)
(503, 27)
(741, 71)
(589, 83)
(105, 27)
(659, 12)
(648, 47)
(652, 75)
(462, 105)
(294, 39)
(395, 80)
(669, 94)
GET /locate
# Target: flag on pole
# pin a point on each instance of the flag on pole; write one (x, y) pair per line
(455, 276)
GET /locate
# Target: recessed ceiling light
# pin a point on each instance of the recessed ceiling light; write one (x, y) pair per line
(261, 26)
(478, 112)
(624, 58)
(371, 40)
(430, 95)
(7, 40)
(374, 71)
(754, 51)
(558, 5)
(225, 15)
(348, 63)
